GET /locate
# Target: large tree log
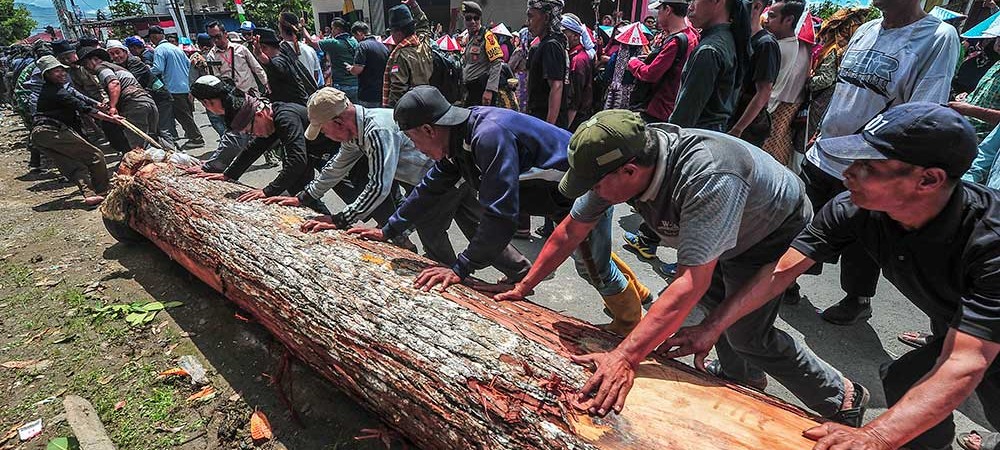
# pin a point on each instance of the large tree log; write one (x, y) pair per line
(452, 370)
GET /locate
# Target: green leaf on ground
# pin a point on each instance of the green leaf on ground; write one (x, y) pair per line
(63, 443)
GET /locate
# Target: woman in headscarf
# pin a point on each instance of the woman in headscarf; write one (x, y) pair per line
(834, 36)
(519, 65)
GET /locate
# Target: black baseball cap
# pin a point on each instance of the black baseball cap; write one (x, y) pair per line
(155, 29)
(920, 133)
(424, 105)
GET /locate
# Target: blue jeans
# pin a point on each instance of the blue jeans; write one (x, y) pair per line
(218, 123)
(608, 279)
(231, 144)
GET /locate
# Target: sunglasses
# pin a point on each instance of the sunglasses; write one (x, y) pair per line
(472, 18)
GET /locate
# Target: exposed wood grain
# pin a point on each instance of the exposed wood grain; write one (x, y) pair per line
(448, 371)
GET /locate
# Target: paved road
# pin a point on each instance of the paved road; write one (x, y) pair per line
(856, 350)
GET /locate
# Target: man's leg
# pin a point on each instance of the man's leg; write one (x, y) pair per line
(468, 213)
(116, 136)
(230, 145)
(165, 118)
(184, 114)
(900, 375)
(78, 160)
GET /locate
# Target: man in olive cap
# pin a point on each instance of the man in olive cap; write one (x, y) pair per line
(729, 209)
(482, 59)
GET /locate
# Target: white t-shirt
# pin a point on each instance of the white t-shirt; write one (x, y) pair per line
(308, 58)
(790, 86)
(884, 68)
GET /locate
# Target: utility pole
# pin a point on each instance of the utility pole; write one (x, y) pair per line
(66, 22)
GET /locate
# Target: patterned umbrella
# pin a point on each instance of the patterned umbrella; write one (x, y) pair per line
(945, 14)
(501, 30)
(448, 44)
(632, 35)
(805, 31)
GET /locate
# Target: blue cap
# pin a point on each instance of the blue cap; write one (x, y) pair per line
(203, 39)
(919, 133)
(247, 26)
(133, 41)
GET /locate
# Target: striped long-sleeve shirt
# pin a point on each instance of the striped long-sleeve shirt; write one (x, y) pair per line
(391, 156)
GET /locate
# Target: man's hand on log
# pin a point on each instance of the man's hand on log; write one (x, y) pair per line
(371, 234)
(251, 195)
(833, 435)
(518, 293)
(433, 276)
(608, 386)
(193, 170)
(316, 225)
(211, 176)
(696, 340)
(283, 201)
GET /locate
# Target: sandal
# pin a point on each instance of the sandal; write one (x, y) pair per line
(915, 339)
(989, 441)
(714, 367)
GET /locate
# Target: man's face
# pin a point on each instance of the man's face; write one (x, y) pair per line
(172, 40)
(263, 124)
(572, 38)
(650, 22)
(662, 14)
(118, 55)
(57, 75)
(473, 21)
(136, 50)
(68, 59)
(214, 106)
(536, 21)
(340, 129)
(881, 185)
(218, 37)
(776, 23)
(621, 185)
(700, 12)
(429, 141)
(155, 38)
(91, 62)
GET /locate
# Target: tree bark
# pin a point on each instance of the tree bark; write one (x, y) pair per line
(450, 370)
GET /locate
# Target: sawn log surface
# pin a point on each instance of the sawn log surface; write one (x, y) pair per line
(451, 370)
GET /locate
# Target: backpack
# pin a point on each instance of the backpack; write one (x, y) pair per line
(643, 92)
(447, 74)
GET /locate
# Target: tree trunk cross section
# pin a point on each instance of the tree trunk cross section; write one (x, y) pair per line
(450, 370)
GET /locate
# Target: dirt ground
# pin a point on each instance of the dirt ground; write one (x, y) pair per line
(58, 265)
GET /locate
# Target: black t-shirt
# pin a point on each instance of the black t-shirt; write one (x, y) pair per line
(55, 102)
(950, 268)
(373, 55)
(289, 80)
(765, 61)
(546, 62)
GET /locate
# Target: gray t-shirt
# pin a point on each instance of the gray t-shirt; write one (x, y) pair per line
(712, 196)
(129, 85)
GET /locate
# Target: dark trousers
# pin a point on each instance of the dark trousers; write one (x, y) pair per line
(116, 136)
(900, 375)
(858, 271)
(184, 115)
(165, 118)
(77, 159)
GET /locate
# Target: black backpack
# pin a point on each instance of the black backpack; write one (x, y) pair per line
(447, 74)
(644, 92)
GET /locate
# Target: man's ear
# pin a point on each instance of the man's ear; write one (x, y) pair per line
(932, 178)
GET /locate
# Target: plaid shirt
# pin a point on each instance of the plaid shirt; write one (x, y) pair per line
(986, 95)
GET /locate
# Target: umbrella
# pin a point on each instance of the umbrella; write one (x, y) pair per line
(501, 30)
(606, 29)
(632, 35)
(389, 41)
(448, 44)
(986, 29)
(806, 32)
(945, 14)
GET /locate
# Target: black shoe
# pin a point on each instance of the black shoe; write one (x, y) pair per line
(792, 296)
(544, 230)
(715, 368)
(191, 145)
(854, 416)
(848, 311)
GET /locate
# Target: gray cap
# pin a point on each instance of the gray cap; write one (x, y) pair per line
(425, 105)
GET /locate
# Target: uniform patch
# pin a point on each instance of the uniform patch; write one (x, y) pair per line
(394, 69)
(493, 50)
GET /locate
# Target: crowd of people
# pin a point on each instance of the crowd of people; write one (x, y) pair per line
(759, 156)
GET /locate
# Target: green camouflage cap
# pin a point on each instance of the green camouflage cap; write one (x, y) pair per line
(600, 146)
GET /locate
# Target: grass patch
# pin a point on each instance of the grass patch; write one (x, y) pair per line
(15, 275)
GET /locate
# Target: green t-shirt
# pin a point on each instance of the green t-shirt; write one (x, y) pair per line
(340, 51)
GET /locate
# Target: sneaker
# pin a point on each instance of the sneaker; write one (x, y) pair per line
(848, 311)
(855, 415)
(635, 244)
(714, 367)
(191, 145)
(792, 296)
(545, 230)
(668, 269)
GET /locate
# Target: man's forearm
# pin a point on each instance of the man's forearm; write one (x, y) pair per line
(985, 114)
(560, 245)
(757, 103)
(934, 397)
(114, 93)
(555, 101)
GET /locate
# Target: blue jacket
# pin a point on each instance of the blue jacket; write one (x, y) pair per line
(504, 154)
(985, 169)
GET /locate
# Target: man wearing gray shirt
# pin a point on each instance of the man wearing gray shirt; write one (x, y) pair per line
(728, 208)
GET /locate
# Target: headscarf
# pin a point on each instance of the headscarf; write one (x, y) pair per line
(573, 23)
(552, 8)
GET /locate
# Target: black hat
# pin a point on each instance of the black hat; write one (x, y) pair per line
(472, 7)
(920, 133)
(268, 36)
(155, 29)
(400, 17)
(86, 52)
(89, 41)
(424, 105)
(62, 46)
